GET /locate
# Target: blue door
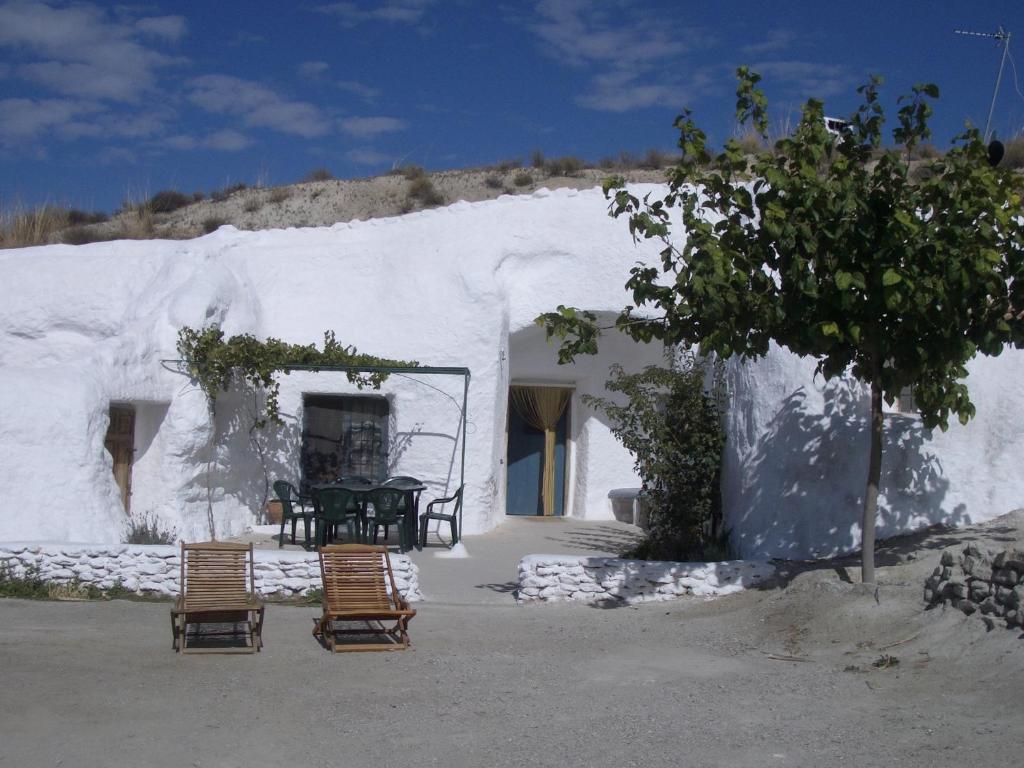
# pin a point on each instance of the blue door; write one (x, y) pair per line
(526, 465)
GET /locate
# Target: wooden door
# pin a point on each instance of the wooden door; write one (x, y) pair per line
(120, 444)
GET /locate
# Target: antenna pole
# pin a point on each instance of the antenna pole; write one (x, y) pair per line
(1003, 37)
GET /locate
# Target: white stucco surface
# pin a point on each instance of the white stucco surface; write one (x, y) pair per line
(84, 327)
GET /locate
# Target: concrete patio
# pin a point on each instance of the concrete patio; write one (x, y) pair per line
(487, 574)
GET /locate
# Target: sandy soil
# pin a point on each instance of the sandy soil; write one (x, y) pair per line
(780, 676)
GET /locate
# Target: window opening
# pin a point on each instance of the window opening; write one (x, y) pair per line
(344, 435)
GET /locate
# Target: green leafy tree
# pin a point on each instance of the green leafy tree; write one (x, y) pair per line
(832, 249)
(673, 428)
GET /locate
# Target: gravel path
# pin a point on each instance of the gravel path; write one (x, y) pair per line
(96, 684)
(486, 683)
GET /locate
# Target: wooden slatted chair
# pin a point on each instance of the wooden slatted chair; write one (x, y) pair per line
(355, 586)
(218, 586)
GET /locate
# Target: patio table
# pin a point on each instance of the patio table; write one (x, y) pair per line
(361, 490)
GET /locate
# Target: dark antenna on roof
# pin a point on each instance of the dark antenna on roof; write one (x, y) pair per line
(1002, 37)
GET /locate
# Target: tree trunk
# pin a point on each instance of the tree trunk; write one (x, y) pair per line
(867, 523)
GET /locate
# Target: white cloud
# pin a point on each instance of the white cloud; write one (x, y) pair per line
(227, 140)
(367, 156)
(313, 68)
(171, 28)
(359, 89)
(22, 119)
(367, 127)
(257, 105)
(350, 14)
(80, 50)
(105, 124)
(583, 33)
(809, 78)
(775, 40)
(631, 54)
(621, 91)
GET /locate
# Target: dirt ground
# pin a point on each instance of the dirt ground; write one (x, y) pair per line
(780, 676)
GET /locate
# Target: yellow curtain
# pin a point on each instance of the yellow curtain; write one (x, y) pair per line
(541, 408)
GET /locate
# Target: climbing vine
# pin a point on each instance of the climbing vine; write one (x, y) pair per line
(216, 363)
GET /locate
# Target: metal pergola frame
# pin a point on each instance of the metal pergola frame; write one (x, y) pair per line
(405, 369)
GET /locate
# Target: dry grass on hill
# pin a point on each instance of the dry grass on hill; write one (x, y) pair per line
(318, 200)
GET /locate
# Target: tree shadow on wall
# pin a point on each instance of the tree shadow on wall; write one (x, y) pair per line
(249, 458)
(807, 477)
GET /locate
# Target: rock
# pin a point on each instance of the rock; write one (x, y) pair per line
(1015, 598)
(973, 550)
(947, 572)
(989, 606)
(1010, 558)
(979, 590)
(968, 606)
(948, 558)
(957, 589)
(929, 595)
(1005, 576)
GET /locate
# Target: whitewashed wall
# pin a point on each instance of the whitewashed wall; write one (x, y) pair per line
(81, 327)
(797, 458)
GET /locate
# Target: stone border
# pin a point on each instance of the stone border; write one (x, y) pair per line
(599, 579)
(980, 580)
(155, 569)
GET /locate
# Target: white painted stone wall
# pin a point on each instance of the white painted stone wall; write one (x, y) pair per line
(157, 569)
(553, 578)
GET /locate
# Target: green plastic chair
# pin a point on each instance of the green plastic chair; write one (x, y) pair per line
(335, 506)
(405, 480)
(290, 498)
(452, 517)
(388, 509)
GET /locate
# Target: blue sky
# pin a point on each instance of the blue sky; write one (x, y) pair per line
(103, 102)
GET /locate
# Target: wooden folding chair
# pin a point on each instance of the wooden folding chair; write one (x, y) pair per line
(355, 580)
(218, 586)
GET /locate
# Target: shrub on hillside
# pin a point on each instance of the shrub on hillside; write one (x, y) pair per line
(319, 174)
(279, 194)
(522, 179)
(212, 224)
(168, 200)
(412, 172)
(422, 189)
(77, 218)
(656, 159)
(493, 181)
(20, 229)
(564, 166)
(220, 195)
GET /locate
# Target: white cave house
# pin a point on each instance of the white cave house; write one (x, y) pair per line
(96, 425)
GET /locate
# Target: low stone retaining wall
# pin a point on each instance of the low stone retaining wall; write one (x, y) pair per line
(156, 569)
(980, 581)
(598, 579)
